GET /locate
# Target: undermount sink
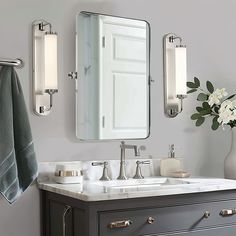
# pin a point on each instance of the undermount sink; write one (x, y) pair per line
(143, 184)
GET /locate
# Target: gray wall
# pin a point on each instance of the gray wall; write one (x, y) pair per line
(208, 27)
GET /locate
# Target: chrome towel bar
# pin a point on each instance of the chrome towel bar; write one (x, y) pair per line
(12, 62)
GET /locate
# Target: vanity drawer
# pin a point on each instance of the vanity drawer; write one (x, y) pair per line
(220, 231)
(167, 219)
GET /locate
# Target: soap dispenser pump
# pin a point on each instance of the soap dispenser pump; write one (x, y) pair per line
(172, 151)
(170, 164)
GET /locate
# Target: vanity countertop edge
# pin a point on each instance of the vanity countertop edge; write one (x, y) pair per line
(89, 192)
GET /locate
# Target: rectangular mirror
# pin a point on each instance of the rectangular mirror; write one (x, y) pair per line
(112, 88)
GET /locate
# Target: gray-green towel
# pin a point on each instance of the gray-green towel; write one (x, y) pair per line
(18, 165)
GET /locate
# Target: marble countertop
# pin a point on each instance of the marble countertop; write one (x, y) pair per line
(125, 189)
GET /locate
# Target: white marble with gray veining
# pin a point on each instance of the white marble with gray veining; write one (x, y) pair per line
(91, 192)
(120, 189)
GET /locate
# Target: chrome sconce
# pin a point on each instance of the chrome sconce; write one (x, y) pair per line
(45, 82)
(175, 74)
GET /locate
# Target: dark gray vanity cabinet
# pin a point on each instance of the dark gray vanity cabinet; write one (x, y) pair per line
(200, 214)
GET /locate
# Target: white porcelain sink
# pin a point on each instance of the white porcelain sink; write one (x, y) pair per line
(143, 184)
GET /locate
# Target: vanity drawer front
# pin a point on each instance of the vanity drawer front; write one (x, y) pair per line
(227, 231)
(166, 219)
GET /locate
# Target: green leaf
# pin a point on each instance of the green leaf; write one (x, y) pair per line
(195, 116)
(216, 109)
(192, 91)
(205, 112)
(191, 85)
(200, 121)
(197, 81)
(232, 123)
(215, 124)
(206, 105)
(199, 109)
(202, 97)
(209, 86)
(230, 97)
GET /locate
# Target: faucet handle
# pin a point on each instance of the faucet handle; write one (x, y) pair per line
(105, 176)
(142, 162)
(138, 174)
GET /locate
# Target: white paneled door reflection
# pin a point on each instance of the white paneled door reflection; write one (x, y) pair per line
(123, 79)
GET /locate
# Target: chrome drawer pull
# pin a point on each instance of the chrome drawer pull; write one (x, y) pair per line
(228, 212)
(120, 224)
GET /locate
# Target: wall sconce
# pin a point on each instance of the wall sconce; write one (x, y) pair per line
(45, 83)
(175, 74)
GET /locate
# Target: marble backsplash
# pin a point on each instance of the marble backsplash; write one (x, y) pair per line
(47, 169)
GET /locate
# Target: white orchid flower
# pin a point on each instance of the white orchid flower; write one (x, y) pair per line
(225, 117)
(213, 99)
(216, 96)
(227, 112)
(234, 103)
(220, 93)
(226, 105)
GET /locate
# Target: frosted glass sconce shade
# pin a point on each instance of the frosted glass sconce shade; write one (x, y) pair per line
(50, 61)
(45, 77)
(180, 70)
(175, 74)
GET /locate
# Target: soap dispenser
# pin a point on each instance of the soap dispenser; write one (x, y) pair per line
(170, 164)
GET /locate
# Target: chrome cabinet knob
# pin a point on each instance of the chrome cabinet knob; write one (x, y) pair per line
(206, 214)
(150, 220)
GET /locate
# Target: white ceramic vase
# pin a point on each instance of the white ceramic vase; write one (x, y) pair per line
(230, 160)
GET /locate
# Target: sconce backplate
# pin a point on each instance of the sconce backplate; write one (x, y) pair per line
(172, 103)
(40, 98)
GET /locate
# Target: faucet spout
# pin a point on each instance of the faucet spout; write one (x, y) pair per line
(123, 147)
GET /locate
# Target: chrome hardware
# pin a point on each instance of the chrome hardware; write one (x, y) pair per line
(51, 92)
(18, 63)
(228, 212)
(105, 176)
(66, 210)
(103, 41)
(43, 95)
(206, 214)
(173, 101)
(123, 147)
(138, 174)
(150, 220)
(73, 75)
(120, 224)
(172, 151)
(151, 79)
(66, 173)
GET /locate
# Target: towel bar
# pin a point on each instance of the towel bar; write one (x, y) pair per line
(12, 62)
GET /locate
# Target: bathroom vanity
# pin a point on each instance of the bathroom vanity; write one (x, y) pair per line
(193, 207)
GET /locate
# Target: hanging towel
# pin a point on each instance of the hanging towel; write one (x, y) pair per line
(18, 166)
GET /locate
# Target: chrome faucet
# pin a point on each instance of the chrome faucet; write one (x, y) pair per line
(123, 147)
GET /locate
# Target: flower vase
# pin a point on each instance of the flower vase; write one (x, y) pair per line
(230, 160)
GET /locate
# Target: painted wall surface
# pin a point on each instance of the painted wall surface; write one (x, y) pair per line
(208, 28)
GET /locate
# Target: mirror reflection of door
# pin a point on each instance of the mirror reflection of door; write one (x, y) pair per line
(112, 93)
(123, 78)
